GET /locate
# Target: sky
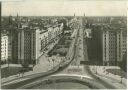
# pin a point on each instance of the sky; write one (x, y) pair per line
(64, 8)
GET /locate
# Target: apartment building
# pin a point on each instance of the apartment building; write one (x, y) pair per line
(32, 43)
(113, 46)
(4, 48)
(27, 41)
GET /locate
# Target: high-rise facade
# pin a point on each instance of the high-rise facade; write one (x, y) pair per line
(27, 46)
(32, 42)
(4, 48)
(26, 42)
(109, 39)
(113, 46)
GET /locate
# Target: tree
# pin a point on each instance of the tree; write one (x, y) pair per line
(123, 64)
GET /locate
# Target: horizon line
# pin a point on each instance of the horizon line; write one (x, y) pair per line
(68, 15)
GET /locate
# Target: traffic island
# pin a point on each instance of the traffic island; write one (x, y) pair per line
(108, 79)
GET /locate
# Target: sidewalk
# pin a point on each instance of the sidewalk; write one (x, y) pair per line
(112, 79)
(12, 65)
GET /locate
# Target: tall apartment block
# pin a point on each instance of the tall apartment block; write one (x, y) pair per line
(113, 45)
(33, 42)
(27, 44)
(4, 48)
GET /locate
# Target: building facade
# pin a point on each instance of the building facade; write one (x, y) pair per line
(32, 43)
(88, 33)
(26, 46)
(114, 46)
(29, 38)
(4, 48)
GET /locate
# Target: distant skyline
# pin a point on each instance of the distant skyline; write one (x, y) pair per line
(64, 8)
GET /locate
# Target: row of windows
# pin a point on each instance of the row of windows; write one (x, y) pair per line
(113, 46)
(2, 53)
(4, 47)
(110, 56)
(113, 54)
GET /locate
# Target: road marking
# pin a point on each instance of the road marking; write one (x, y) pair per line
(81, 76)
(15, 81)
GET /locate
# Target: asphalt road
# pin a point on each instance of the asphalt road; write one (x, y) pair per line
(55, 82)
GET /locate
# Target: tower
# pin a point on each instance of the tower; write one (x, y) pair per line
(74, 15)
(17, 21)
(10, 20)
(84, 14)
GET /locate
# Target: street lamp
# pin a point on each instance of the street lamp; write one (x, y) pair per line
(34, 62)
(8, 66)
(96, 68)
(121, 76)
(49, 63)
(53, 62)
(8, 62)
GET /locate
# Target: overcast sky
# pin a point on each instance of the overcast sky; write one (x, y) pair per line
(64, 7)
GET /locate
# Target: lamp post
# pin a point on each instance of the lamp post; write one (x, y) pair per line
(34, 62)
(121, 77)
(96, 68)
(8, 63)
(49, 62)
(53, 62)
(8, 66)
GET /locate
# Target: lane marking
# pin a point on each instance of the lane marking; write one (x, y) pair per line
(81, 76)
